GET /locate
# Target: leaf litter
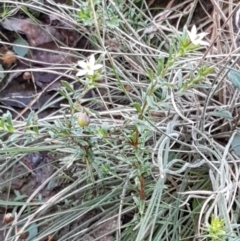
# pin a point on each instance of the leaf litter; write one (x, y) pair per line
(36, 34)
(47, 53)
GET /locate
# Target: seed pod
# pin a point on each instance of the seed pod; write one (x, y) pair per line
(8, 218)
(83, 119)
(26, 75)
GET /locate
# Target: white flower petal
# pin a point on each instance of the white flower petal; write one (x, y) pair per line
(203, 43)
(195, 41)
(97, 66)
(194, 30)
(88, 67)
(195, 38)
(202, 35)
(92, 60)
(90, 72)
(192, 38)
(81, 72)
(82, 64)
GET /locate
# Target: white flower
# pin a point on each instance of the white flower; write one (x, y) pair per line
(195, 38)
(88, 67)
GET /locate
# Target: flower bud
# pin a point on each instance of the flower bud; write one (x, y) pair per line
(8, 218)
(27, 76)
(83, 119)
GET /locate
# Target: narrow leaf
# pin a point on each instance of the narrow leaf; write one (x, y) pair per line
(1, 72)
(236, 144)
(222, 113)
(234, 77)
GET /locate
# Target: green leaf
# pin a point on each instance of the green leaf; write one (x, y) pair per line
(20, 51)
(102, 133)
(67, 86)
(6, 122)
(234, 77)
(222, 113)
(160, 65)
(113, 22)
(19, 196)
(14, 137)
(179, 78)
(65, 94)
(150, 74)
(33, 231)
(150, 101)
(138, 107)
(236, 144)
(1, 72)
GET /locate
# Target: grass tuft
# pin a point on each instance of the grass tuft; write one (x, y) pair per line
(145, 147)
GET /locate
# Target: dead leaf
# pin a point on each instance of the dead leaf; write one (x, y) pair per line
(42, 79)
(48, 52)
(46, 57)
(41, 57)
(23, 99)
(37, 34)
(6, 81)
(65, 27)
(71, 37)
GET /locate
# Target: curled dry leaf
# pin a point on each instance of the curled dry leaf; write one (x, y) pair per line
(37, 34)
(9, 57)
(23, 235)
